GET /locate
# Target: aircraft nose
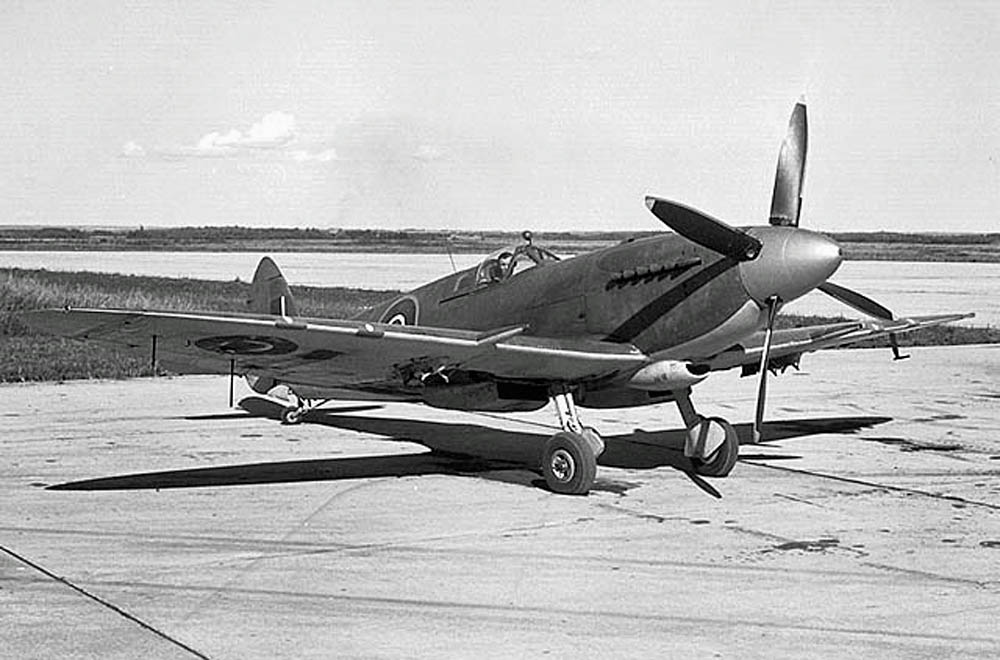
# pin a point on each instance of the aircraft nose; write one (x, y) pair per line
(791, 263)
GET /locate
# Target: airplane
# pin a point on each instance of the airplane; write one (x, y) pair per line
(634, 324)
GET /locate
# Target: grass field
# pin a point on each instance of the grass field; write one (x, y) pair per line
(26, 355)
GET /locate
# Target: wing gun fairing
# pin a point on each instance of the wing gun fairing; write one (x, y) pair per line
(634, 324)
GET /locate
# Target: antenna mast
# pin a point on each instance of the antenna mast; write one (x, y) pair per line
(447, 243)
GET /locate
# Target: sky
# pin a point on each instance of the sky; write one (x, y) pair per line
(495, 115)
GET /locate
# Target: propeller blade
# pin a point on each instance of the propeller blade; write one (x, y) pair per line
(705, 230)
(862, 303)
(765, 357)
(786, 202)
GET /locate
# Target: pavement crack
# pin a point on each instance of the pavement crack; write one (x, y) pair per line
(873, 484)
(255, 561)
(799, 500)
(982, 584)
(418, 543)
(103, 602)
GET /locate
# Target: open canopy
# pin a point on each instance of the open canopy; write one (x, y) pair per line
(509, 261)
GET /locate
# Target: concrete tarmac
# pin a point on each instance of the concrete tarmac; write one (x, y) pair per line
(146, 519)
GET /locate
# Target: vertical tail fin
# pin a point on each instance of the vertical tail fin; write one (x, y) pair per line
(269, 293)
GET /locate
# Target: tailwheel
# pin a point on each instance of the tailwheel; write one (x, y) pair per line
(292, 415)
(720, 460)
(298, 407)
(569, 463)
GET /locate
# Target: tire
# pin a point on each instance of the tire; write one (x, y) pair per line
(569, 464)
(722, 461)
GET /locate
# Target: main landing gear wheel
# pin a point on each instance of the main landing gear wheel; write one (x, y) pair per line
(569, 463)
(720, 462)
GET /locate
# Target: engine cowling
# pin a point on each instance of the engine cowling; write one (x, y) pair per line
(668, 375)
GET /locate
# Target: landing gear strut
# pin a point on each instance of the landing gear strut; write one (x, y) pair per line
(712, 443)
(569, 461)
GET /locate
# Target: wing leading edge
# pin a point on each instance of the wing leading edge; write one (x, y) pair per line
(788, 344)
(335, 353)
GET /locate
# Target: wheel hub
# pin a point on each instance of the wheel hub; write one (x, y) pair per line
(562, 464)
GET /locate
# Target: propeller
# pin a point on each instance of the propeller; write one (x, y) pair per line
(786, 202)
(786, 205)
(705, 230)
(860, 302)
(765, 357)
(798, 262)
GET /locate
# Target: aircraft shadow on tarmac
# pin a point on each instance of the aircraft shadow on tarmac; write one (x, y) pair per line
(455, 449)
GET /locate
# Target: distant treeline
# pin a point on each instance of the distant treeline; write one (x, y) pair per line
(238, 233)
(923, 238)
(873, 246)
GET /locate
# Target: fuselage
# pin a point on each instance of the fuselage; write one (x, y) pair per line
(664, 294)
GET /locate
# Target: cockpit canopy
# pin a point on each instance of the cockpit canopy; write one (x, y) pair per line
(508, 262)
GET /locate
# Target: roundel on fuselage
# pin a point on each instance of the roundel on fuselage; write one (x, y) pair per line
(401, 312)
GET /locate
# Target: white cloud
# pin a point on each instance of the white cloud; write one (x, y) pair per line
(428, 153)
(133, 149)
(275, 130)
(303, 156)
(273, 137)
(215, 140)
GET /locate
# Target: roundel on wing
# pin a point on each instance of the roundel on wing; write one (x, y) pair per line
(401, 312)
(246, 345)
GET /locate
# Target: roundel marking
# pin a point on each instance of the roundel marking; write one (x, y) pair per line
(402, 312)
(246, 345)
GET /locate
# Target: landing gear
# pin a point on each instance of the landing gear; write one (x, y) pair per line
(292, 415)
(712, 443)
(295, 413)
(569, 461)
(720, 462)
(569, 465)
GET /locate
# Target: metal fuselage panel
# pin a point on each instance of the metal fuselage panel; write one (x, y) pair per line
(655, 293)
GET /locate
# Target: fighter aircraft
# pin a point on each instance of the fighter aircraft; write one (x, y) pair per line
(635, 324)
